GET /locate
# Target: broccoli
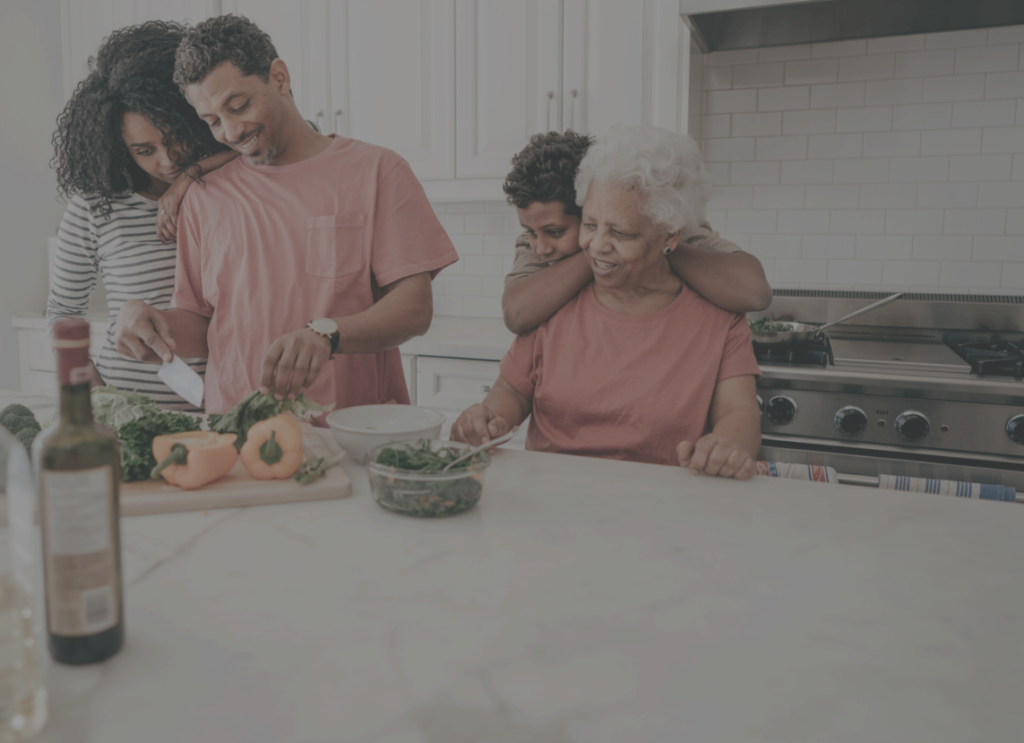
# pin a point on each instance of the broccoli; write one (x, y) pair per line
(26, 436)
(16, 417)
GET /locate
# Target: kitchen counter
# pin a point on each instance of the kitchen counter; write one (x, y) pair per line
(463, 338)
(582, 600)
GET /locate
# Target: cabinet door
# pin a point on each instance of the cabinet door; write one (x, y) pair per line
(86, 23)
(391, 76)
(507, 80)
(621, 64)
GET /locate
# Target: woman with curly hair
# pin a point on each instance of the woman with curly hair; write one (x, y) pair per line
(541, 188)
(128, 144)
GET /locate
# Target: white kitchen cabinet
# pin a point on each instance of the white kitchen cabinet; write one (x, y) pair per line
(409, 369)
(687, 7)
(38, 365)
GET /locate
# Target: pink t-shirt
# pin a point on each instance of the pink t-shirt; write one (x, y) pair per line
(264, 250)
(626, 386)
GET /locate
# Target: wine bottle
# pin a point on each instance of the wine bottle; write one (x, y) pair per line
(79, 472)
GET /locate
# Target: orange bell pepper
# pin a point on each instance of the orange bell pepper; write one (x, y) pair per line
(194, 458)
(273, 448)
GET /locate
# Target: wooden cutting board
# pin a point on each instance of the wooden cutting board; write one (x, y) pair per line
(236, 489)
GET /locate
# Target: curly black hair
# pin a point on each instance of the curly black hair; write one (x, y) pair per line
(132, 71)
(545, 170)
(225, 38)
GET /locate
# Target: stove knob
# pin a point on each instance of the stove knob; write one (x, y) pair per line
(912, 426)
(780, 410)
(1015, 429)
(851, 420)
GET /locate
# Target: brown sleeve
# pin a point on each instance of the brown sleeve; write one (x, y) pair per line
(707, 238)
(526, 263)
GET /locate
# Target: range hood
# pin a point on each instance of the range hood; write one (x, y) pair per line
(839, 20)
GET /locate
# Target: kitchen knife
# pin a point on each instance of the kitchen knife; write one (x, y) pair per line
(177, 375)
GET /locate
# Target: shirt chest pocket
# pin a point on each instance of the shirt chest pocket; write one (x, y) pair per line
(334, 245)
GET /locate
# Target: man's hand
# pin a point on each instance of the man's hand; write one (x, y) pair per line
(142, 333)
(293, 363)
(477, 425)
(715, 455)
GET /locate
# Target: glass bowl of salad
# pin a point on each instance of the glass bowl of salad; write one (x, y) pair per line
(406, 477)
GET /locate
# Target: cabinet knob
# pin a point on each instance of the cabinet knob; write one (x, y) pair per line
(572, 109)
(337, 116)
(486, 388)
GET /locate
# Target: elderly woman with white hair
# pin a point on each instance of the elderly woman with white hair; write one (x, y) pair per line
(637, 366)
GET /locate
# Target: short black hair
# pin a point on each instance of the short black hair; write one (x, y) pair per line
(545, 170)
(224, 38)
(132, 71)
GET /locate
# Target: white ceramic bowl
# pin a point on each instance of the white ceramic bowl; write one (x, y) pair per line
(364, 427)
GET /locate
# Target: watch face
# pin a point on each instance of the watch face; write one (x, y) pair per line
(324, 325)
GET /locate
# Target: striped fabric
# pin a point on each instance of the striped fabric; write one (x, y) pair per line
(126, 254)
(955, 488)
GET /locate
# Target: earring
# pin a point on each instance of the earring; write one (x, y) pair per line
(667, 250)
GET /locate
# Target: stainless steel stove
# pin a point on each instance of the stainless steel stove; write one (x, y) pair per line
(932, 387)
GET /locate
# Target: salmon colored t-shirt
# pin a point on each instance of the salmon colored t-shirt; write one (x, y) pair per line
(626, 386)
(264, 250)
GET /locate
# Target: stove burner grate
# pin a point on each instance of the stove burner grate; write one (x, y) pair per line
(805, 353)
(996, 358)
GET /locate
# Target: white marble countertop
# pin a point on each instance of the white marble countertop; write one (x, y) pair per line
(582, 601)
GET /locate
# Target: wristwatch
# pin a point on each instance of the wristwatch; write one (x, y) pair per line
(326, 327)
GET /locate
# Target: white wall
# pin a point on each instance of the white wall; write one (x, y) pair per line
(32, 94)
(886, 163)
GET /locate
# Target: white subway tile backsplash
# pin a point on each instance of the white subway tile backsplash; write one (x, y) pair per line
(811, 171)
(801, 270)
(1009, 139)
(782, 148)
(802, 221)
(832, 197)
(991, 58)
(857, 272)
(1020, 103)
(1004, 84)
(508, 264)
(758, 75)
(741, 56)
(888, 92)
(742, 241)
(853, 48)
(984, 113)
(468, 244)
(864, 170)
(784, 53)
(498, 207)
(756, 124)
(512, 226)
(836, 95)
(805, 72)
(910, 273)
(885, 247)
(812, 121)
(775, 246)
(864, 119)
(754, 174)
(445, 305)
(780, 197)
(718, 125)
(1015, 221)
(1001, 195)
(942, 248)
(870, 67)
(717, 78)
(926, 63)
(947, 195)
(829, 246)
(975, 222)
(922, 116)
(728, 150)
(954, 88)
(731, 101)
(973, 275)
(453, 223)
(979, 168)
(751, 221)
(482, 265)
(888, 196)
(998, 248)
(482, 307)
(952, 39)
(1012, 276)
(857, 221)
(719, 173)
(913, 221)
(1018, 168)
(1006, 35)
(783, 99)
(461, 286)
(920, 170)
(892, 144)
(827, 146)
(951, 142)
(731, 197)
(492, 286)
(484, 223)
(884, 44)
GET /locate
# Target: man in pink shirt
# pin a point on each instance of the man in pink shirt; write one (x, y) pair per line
(303, 248)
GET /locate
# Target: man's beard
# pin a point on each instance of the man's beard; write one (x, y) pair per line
(264, 158)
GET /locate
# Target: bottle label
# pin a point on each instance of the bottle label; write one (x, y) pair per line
(80, 564)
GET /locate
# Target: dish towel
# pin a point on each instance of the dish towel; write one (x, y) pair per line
(948, 487)
(812, 472)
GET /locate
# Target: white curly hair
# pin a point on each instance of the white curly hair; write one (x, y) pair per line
(666, 166)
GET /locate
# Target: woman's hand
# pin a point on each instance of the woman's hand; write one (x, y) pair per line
(715, 455)
(477, 425)
(95, 380)
(167, 215)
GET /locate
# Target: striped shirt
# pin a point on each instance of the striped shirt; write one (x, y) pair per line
(126, 254)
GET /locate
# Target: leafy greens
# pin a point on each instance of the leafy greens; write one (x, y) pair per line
(257, 407)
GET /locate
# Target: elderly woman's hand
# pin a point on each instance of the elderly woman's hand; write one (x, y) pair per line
(478, 424)
(715, 455)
